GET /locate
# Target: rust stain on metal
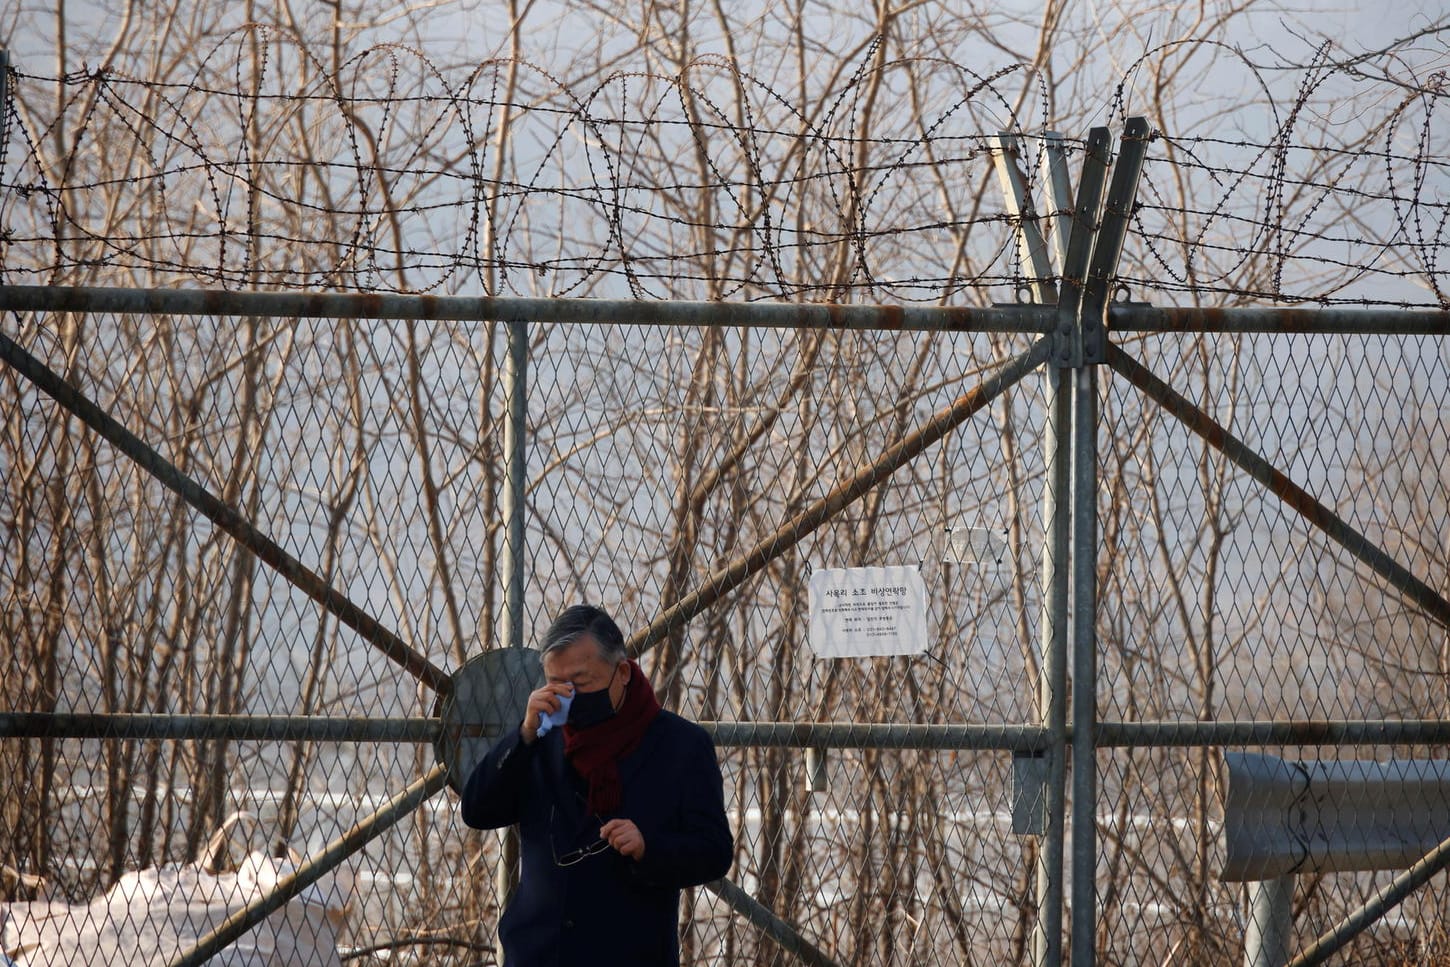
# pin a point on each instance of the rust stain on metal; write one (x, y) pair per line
(372, 304)
(216, 301)
(1284, 319)
(1307, 733)
(835, 313)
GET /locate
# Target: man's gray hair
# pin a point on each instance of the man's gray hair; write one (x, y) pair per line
(585, 619)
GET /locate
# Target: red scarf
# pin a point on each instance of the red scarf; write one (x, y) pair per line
(595, 751)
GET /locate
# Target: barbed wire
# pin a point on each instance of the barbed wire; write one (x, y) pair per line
(709, 184)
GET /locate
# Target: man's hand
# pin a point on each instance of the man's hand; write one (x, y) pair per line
(624, 836)
(546, 701)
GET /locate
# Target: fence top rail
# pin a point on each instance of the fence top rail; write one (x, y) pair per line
(1141, 317)
(1016, 318)
(338, 305)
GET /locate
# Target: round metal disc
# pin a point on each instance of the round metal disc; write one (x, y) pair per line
(489, 696)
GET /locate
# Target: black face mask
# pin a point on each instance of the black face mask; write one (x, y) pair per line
(591, 708)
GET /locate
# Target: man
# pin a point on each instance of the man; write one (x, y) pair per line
(618, 809)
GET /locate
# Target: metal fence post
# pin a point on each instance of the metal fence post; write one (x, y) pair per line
(1038, 259)
(1091, 330)
(515, 456)
(1271, 921)
(1052, 684)
(1068, 355)
(1056, 578)
(1084, 666)
(512, 560)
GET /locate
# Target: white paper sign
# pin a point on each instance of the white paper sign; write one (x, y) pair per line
(858, 612)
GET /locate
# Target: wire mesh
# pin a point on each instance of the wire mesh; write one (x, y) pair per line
(372, 450)
(361, 446)
(1218, 604)
(1222, 603)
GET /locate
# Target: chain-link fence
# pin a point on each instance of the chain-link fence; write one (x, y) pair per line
(251, 537)
(656, 454)
(660, 454)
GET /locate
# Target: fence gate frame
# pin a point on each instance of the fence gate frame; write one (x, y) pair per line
(1072, 310)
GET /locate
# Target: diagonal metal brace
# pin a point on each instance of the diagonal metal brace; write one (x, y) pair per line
(731, 575)
(223, 515)
(1374, 909)
(315, 867)
(787, 936)
(1278, 483)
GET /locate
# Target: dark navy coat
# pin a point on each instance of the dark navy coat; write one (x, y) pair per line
(604, 908)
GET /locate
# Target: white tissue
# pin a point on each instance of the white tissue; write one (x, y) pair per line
(547, 720)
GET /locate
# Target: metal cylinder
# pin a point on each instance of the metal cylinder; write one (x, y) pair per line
(1084, 668)
(1052, 685)
(512, 560)
(1271, 922)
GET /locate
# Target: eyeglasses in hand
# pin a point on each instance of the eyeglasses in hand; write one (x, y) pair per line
(575, 855)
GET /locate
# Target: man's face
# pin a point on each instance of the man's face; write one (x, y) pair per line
(582, 664)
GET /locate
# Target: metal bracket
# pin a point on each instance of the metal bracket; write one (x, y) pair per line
(1031, 245)
(1087, 234)
(816, 769)
(1107, 242)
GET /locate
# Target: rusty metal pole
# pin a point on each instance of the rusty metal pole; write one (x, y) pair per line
(471, 309)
